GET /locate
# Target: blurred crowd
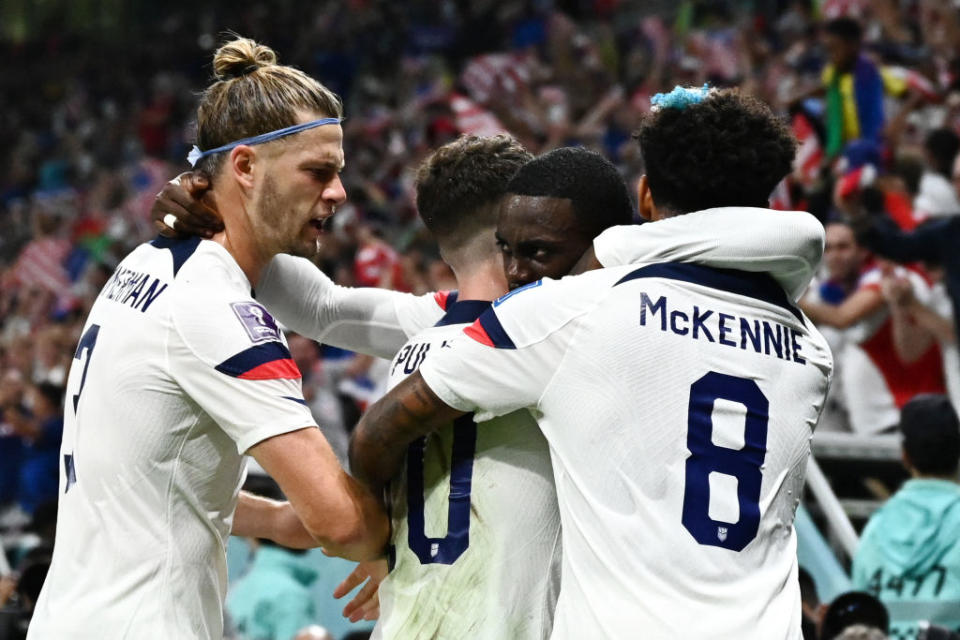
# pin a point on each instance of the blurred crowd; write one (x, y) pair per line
(96, 107)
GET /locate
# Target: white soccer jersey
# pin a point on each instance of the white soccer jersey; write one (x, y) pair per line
(786, 244)
(679, 402)
(476, 528)
(179, 372)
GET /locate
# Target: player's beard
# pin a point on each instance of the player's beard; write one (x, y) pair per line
(278, 225)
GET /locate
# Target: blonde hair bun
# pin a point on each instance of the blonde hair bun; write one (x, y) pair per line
(241, 56)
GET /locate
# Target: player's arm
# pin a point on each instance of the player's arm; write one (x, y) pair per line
(379, 442)
(259, 517)
(250, 386)
(786, 244)
(882, 236)
(336, 511)
(855, 308)
(367, 320)
(500, 364)
(910, 339)
(941, 327)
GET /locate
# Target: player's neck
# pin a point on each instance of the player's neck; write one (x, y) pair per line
(239, 239)
(480, 281)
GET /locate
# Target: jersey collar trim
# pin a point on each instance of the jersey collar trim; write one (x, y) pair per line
(463, 312)
(759, 286)
(180, 248)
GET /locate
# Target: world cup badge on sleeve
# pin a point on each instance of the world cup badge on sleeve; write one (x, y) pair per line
(260, 325)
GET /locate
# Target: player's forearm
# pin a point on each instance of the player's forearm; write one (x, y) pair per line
(910, 341)
(258, 517)
(942, 328)
(364, 529)
(379, 442)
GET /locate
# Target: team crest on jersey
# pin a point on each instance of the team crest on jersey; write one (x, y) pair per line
(722, 533)
(260, 325)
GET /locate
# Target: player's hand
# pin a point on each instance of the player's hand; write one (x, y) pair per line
(183, 198)
(897, 291)
(366, 604)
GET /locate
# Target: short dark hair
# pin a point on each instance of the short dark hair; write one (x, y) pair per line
(845, 28)
(931, 434)
(458, 181)
(942, 145)
(590, 181)
(854, 607)
(727, 151)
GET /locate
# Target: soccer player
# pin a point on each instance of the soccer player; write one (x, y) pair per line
(678, 402)
(476, 529)
(496, 562)
(180, 372)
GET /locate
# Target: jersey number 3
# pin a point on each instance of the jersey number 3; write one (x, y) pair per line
(706, 458)
(87, 343)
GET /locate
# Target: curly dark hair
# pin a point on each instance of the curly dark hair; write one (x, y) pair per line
(459, 181)
(729, 150)
(590, 181)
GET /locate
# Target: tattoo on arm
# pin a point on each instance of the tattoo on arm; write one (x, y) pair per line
(379, 442)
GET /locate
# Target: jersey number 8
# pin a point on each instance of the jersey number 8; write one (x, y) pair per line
(706, 458)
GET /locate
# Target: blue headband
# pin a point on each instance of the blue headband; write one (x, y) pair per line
(196, 155)
(680, 98)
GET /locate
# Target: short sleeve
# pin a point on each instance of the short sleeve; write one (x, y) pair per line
(506, 359)
(229, 357)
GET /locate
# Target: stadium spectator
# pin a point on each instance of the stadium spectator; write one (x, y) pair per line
(810, 604)
(40, 431)
(935, 319)
(908, 556)
(933, 242)
(875, 380)
(854, 609)
(854, 88)
(314, 632)
(861, 632)
(937, 196)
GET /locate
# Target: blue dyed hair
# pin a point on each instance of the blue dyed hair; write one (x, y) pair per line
(681, 97)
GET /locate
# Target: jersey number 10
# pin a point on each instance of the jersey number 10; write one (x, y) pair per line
(706, 458)
(447, 549)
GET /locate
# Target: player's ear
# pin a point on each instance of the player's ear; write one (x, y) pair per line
(645, 205)
(241, 163)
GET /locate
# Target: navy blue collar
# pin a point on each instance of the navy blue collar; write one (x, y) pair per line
(759, 286)
(463, 312)
(180, 248)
